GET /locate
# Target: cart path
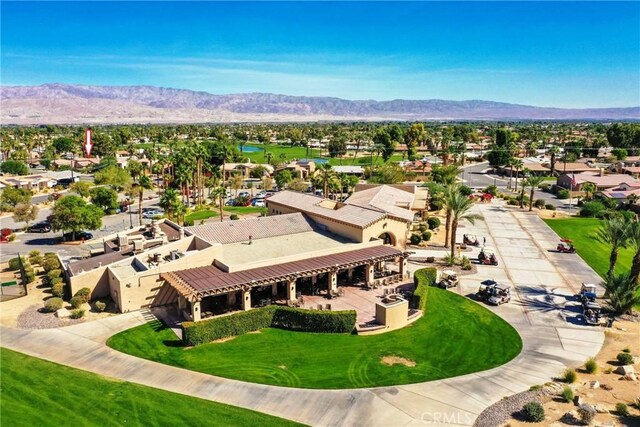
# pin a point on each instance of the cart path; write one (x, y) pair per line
(548, 347)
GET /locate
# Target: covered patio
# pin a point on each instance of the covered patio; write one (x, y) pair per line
(209, 291)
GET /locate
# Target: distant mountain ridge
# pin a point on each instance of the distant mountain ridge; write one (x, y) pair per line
(65, 103)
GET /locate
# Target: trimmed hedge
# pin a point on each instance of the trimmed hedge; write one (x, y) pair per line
(314, 321)
(84, 294)
(195, 333)
(423, 278)
(53, 304)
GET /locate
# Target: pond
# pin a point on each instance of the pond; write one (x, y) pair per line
(316, 161)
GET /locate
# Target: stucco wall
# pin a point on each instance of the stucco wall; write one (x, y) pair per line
(97, 280)
(397, 228)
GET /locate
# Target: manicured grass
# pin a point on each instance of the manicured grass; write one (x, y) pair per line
(455, 336)
(200, 215)
(301, 153)
(243, 210)
(582, 232)
(40, 393)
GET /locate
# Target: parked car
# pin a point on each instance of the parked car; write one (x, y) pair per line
(261, 195)
(4, 234)
(40, 227)
(244, 194)
(230, 202)
(80, 235)
(152, 213)
(259, 203)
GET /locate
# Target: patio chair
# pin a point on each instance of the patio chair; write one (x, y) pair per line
(319, 306)
(327, 307)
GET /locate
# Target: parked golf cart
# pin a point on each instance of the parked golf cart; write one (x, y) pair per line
(591, 313)
(487, 256)
(470, 239)
(565, 246)
(448, 279)
(494, 293)
(587, 293)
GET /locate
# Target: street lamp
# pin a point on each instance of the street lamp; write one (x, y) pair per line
(130, 216)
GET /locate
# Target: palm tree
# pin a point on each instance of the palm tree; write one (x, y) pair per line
(614, 233)
(634, 240)
(269, 157)
(589, 189)
(144, 183)
(220, 193)
(170, 202)
(448, 193)
(553, 151)
(459, 204)
(517, 164)
(532, 182)
(621, 292)
(326, 172)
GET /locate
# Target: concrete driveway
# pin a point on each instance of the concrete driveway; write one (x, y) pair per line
(544, 283)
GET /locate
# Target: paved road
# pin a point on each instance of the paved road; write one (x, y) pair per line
(480, 176)
(542, 313)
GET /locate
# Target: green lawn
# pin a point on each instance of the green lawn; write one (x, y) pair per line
(582, 231)
(200, 215)
(456, 336)
(40, 393)
(243, 210)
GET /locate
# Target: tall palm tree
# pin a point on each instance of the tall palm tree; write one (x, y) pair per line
(517, 164)
(460, 205)
(170, 202)
(621, 292)
(449, 192)
(553, 151)
(144, 183)
(532, 182)
(326, 172)
(634, 240)
(589, 189)
(220, 193)
(614, 233)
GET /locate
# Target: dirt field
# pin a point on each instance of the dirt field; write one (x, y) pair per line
(622, 335)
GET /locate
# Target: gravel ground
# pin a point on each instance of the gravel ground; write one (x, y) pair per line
(500, 412)
(32, 318)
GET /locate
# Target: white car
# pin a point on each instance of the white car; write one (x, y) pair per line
(259, 203)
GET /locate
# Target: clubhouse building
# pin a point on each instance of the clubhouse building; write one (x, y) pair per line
(305, 246)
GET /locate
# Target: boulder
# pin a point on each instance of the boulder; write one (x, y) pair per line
(631, 376)
(624, 370)
(63, 313)
(601, 409)
(594, 384)
(636, 360)
(577, 400)
(570, 418)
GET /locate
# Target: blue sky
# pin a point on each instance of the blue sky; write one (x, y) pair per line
(550, 54)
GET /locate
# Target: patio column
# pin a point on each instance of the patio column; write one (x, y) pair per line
(350, 274)
(246, 299)
(332, 282)
(231, 298)
(274, 289)
(369, 273)
(291, 290)
(195, 311)
(402, 266)
(182, 303)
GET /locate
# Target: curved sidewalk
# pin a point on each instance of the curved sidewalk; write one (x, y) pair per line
(550, 344)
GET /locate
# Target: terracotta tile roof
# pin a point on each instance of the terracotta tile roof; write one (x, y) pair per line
(349, 214)
(391, 200)
(605, 180)
(208, 280)
(257, 228)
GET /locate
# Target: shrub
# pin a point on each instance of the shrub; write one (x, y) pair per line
(567, 394)
(436, 205)
(101, 306)
(84, 293)
(314, 321)
(433, 222)
(234, 217)
(492, 189)
(563, 194)
(188, 222)
(465, 190)
(76, 302)
(533, 412)
(513, 202)
(593, 209)
(549, 207)
(57, 290)
(35, 257)
(570, 376)
(539, 204)
(14, 263)
(77, 314)
(465, 263)
(591, 366)
(636, 403)
(423, 278)
(195, 333)
(53, 274)
(426, 236)
(423, 227)
(586, 415)
(53, 304)
(29, 275)
(415, 239)
(622, 409)
(50, 263)
(536, 387)
(11, 237)
(625, 358)
(449, 260)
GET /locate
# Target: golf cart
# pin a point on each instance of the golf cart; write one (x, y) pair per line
(487, 256)
(486, 290)
(566, 247)
(448, 279)
(587, 293)
(591, 313)
(494, 293)
(470, 239)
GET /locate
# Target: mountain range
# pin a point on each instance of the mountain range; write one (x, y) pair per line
(57, 103)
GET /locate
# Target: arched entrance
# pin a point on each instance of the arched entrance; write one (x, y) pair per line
(388, 238)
